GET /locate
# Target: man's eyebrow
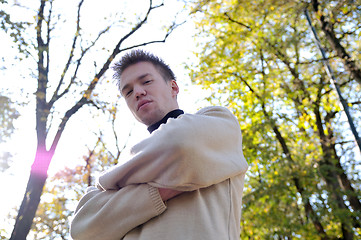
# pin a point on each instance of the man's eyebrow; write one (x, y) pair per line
(143, 76)
(138, 78)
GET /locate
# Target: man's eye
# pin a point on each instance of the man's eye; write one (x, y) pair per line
(128, 93)
(148, 81)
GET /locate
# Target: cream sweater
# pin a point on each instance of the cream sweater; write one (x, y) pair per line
(200, 154)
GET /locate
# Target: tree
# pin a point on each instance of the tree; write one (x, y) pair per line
(53, 215)
(7, 116)
(12, 28)
(63, 91)
(61, 194)
(341, 13)
(66, 187)
(260, 60)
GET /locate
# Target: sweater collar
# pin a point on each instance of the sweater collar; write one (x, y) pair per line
(172, 114)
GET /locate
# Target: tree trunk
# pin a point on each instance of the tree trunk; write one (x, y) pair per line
(336, 45)
(329, 174)
(28, 207)
(347, 187)
(32, 195)
(305, 200)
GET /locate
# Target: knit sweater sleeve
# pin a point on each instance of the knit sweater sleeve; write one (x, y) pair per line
(187, 153)
(108, 215)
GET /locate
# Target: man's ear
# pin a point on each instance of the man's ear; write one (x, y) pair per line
(175, 88)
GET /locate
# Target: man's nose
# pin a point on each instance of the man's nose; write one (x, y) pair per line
(139, 91)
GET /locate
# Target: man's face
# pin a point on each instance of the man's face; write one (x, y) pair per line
(148, 96)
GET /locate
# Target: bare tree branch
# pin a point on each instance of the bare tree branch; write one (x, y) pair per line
(78, 63)
(328, 29)
(119, 150)
(355, 103)
(87, 93)
(71, 55)
(237, 22)
(87, 161)
(49, 29)
(316, 60)
(174, 26)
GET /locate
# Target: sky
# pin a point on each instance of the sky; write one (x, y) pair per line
(80, 133)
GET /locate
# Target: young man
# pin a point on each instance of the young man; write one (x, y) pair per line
(185, 181)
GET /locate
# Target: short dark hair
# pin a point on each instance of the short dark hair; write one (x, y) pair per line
(136, 56)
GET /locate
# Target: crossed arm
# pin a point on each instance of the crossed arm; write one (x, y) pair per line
(110, 214)
(186, 154)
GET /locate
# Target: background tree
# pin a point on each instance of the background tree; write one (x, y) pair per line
(334, 19)
(13, 28)
(8, 114)
(55, 210)
(66, 85)
(260, 60)
(64, 190)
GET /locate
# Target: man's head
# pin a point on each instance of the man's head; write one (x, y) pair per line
(148, 86)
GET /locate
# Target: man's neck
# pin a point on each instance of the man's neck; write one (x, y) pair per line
(172, 114)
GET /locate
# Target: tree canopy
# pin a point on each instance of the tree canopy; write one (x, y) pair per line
(260, 60)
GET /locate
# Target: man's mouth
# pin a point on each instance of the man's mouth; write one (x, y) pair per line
(142, 104)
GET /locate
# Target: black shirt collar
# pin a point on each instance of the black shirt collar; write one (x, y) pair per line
(172, 114)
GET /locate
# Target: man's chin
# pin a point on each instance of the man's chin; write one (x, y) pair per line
(149, 117)
(145, 120)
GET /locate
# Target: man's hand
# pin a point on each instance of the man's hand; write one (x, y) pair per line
(167, 194)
